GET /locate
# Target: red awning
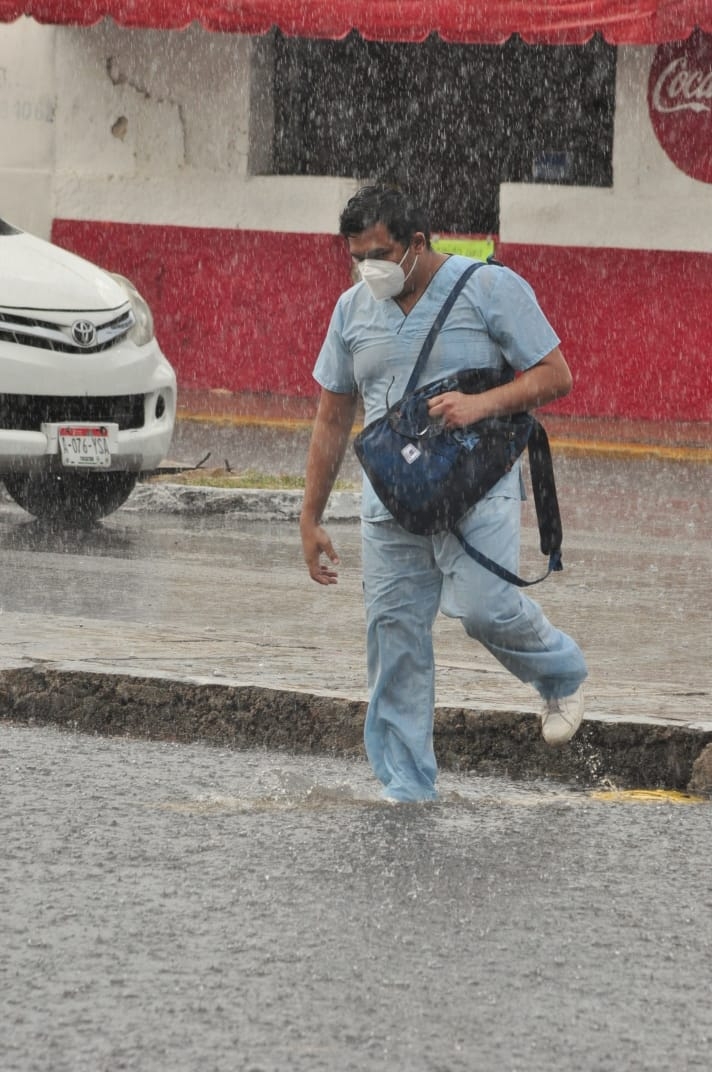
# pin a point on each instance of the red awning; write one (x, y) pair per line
(636, 22)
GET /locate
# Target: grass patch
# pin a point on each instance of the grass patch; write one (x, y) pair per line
(249, 478)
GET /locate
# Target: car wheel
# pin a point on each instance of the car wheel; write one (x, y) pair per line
(73, 499)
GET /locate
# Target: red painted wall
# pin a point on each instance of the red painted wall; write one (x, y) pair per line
(247, 310)
(241, 310)
(635, 325)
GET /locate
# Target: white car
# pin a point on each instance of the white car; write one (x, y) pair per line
(87, 399)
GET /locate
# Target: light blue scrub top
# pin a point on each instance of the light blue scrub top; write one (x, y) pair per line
(371, 346)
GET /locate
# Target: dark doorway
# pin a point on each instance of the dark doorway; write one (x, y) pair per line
(452, 121)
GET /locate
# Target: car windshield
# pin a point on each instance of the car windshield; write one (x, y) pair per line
(7, 228)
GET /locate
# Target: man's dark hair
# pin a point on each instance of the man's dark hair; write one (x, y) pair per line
(388, 205)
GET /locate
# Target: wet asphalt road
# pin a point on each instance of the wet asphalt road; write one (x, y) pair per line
(189, 908)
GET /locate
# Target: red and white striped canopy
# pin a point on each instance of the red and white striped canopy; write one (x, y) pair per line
(636, 22)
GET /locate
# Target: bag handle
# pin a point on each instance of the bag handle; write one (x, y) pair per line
(438, 323)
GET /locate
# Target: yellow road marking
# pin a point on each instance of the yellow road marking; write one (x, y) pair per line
(289, 424)
(648, 796)
(669, 452)
(633, 450)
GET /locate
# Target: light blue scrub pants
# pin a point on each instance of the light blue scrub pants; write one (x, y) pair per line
(407, 579)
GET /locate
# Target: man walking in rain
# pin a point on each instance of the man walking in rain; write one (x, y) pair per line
(374, 338)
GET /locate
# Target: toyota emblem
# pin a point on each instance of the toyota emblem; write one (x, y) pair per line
(84, 333)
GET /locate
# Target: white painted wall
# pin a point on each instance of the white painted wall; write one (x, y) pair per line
(143, 126)
(652, 204)
(27, 124)
(154, 127)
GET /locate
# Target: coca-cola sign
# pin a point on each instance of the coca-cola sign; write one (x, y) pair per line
(680, 103)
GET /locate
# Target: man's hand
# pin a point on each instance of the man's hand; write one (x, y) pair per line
(549, 379)
(456, 410)
(315, 543)
(330, 436)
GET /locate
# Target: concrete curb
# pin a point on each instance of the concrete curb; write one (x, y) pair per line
(256, 504)
(619, 754)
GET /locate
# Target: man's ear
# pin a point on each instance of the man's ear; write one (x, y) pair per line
(418, 242)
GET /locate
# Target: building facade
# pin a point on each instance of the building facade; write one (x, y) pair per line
(211, 167)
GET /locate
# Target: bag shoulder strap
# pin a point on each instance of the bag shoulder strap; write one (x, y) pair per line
(437, 324)
(540, 463)
(541, 470)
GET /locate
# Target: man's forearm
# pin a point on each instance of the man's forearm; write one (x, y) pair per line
(534, 388)
(330, 438)
(544, 382)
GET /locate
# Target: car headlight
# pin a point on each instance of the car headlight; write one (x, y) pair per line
(142, 331)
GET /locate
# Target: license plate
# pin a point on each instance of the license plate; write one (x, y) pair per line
(84, 446)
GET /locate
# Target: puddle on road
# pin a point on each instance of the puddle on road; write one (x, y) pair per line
(283, 789)
(200, 779)
(318, 797)
(288, 791)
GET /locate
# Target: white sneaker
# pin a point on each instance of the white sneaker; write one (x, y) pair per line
(561, 718)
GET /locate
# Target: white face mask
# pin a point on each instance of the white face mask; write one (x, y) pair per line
(384, 278)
